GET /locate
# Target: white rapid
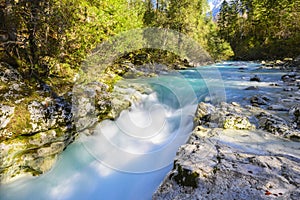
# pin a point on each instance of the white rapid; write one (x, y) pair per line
(128, 158)
(123, 159)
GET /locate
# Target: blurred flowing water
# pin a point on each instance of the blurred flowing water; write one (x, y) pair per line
(128, 158)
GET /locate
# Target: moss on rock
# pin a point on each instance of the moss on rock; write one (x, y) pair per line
(186, 177)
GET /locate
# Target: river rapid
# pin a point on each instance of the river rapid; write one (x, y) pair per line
(128, 158)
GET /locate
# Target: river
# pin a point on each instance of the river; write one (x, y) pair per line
(128, 158)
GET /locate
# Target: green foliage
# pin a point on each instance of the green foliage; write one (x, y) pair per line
(150, 56)
(51, 39)
(261, 29)
(188, 17)
(44, 37)
(99, 21)
(219, 49)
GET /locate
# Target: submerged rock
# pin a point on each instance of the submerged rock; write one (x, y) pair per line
(290, 77)
(258, 100)
(278, 107)
(252, 88)
(255, 78)
(277, 126)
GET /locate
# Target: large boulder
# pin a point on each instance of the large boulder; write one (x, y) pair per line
(233, 165)
(35, 126)
(226, 158)
(258, 100)
(224, 115)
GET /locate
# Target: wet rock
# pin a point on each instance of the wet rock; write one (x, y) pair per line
(277, 126)
(258, 100)
(289, 89)
(279, 62)
(278, 107)
(255, 78)
(267, 64)
(94, 102)
(179, 67)
(54, 148)
(118, 106)
(41, 123)
(290, 77)
(295, 112)
(252, 88)
(274, 84)
(85, 100)
(32, 155)
(296, 62)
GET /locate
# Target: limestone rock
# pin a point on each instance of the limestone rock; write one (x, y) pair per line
(277, 126)
(6, 113)
(236, 163)
(50, 113)
(228, 116)
(203, 112)
(258, 100)
(35, 126)
(232, 166)
(295, 112)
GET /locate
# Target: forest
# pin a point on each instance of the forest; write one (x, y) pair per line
(51, 38)
(261, 29)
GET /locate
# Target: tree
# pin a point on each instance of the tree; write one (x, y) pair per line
(261, 29)
(188, 17)
(34, 29)
(49, 37)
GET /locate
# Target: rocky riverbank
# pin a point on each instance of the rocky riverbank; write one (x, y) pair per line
(242, 151)
(37, 124)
